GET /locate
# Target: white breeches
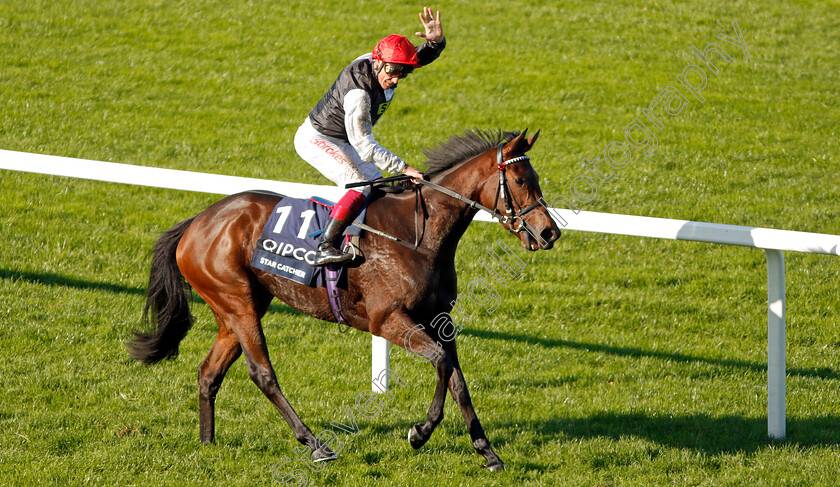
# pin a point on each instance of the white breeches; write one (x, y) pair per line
(335, 159)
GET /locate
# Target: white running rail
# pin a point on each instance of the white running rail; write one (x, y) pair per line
(772, 241)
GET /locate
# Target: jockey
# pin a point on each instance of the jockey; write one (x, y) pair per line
(337, 136)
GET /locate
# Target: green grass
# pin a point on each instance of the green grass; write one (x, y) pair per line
(611, 361)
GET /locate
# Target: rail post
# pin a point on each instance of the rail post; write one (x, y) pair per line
(775, 343)
(380, 363)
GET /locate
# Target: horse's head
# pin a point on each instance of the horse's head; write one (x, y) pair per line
(514, 192)
(494, 174)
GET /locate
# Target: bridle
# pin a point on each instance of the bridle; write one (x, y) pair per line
(512, 215)
(504, 189)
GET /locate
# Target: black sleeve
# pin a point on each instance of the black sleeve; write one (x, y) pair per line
(430, 51)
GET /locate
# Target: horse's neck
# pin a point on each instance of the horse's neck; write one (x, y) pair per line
(449, 218)
(445, 220)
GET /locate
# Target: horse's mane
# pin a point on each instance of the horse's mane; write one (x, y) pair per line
(460, 148)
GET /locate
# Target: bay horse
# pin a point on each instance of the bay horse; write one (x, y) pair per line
(396, 288)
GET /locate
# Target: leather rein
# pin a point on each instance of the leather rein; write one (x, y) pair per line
(512, 214)
(502, 190)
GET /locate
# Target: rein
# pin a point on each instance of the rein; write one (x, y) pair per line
(503, 190)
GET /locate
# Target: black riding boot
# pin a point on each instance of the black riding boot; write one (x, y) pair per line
(328, 251)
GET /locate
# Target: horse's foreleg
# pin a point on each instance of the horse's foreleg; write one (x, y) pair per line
(400, 330)
(420, 433)
(223, 353)
(458, 388)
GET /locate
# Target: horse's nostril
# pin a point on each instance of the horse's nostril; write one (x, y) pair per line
(549, 235)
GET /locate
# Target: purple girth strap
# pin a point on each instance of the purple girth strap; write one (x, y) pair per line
(333, 274)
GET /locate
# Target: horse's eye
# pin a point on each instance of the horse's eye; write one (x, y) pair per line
(520, 181)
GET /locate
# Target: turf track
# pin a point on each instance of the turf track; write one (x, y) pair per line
(611, 361)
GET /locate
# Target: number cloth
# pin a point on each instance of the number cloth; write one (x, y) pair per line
(289, 240)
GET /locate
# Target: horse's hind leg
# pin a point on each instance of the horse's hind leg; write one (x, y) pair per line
(248, 330)
(238, 309)
(252, 340)
(223, 353)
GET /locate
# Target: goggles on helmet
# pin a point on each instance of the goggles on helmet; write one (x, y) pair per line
(398, 70)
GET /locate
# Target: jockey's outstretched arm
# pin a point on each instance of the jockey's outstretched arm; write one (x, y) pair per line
(360, 133)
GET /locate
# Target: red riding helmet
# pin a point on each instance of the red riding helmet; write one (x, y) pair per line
(396, 49)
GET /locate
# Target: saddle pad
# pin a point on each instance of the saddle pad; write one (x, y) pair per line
(289, 240)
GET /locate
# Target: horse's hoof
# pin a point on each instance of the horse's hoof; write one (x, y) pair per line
(415, 439)
(323, 454)
(496, 467)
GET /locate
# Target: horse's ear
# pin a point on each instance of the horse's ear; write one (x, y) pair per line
(519, 144)
(533, 139)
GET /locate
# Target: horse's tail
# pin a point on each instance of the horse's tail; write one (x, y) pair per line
(168, 301)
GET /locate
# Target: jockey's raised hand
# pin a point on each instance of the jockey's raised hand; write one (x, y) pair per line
(434, 29)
